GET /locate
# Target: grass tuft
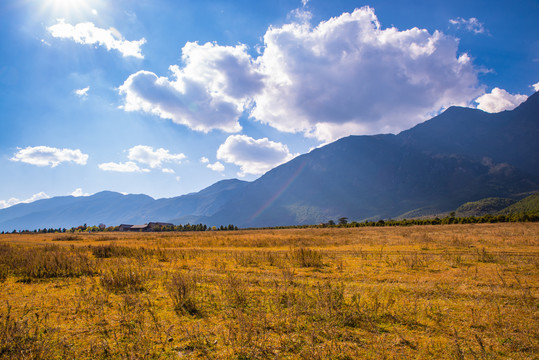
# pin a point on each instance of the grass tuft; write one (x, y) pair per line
(182, 290)
(124, 277)
(306, 257)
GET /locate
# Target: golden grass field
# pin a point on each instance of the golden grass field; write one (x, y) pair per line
(421, 292)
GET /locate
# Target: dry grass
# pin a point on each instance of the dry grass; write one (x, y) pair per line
(444, 292)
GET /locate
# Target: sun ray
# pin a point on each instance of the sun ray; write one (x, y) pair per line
(70, 8)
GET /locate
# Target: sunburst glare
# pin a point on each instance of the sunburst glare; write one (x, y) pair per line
(69, 8)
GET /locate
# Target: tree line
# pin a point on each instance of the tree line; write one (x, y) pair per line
(451, 219)
(102, 228)
(342, 222)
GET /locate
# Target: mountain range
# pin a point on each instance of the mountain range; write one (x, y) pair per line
(459, 156)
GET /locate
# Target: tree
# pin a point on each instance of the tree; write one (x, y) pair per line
(343, 221)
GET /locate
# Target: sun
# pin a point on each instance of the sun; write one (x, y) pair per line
(67, 8)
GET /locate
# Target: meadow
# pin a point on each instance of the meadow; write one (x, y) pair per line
(409, 292)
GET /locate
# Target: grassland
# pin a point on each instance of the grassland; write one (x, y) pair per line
(420, 292)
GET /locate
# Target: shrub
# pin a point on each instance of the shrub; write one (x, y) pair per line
(305, 257)
(47, 262)
(3, 273)
(485, 257)
(236, 290)
(123, 277)
(64, 237)
(22, 338)
(182, 289)
(108, 251)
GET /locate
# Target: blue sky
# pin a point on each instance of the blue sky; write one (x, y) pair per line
(167, 97)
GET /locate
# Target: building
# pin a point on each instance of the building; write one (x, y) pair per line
(151, 226)
(139, 228)
(124, 227)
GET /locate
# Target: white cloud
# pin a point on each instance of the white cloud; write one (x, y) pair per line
(344, 76)
(253, 156)
(210, 92)
(499, 100)
(128, 166)
(78, 192)
(304, 2)
(350, 76)
(14, 201)
(471, 24)
(217, 166)
(45, 156)
(154, 158)
(168, 171)
(83, 93)
(535, 86)
(301, 15)
(87, 33)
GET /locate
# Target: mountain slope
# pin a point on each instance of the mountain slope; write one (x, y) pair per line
(529, 204)
(191, 207)
(377, 178)
(460, 156)
(67, 211)
(494, 139)
(483, 207)
(113, 208)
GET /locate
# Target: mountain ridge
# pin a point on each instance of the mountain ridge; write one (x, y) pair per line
(462, 155)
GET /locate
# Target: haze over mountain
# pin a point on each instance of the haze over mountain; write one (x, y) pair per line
(462, 155)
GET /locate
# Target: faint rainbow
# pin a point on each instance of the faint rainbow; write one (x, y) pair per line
(279, 192)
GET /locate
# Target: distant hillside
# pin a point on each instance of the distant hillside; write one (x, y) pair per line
(66, 211)
(423, 213)
(113, 208)
(483, 207)
(527, 205)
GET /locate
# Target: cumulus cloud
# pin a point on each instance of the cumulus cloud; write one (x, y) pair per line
(83, 93)
(146, 155)
(535, 86)
(217, 166)
(471, 24)
(14, 201)
(154, 158)
(87, 33)
(127, 167)
(49, 156)
(253, 156)
(347, 75)
(499, 100)
(78, 192)
(210, 92)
